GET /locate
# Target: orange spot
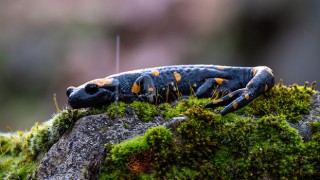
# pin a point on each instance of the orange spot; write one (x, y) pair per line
(150, 89)
(220, 67)
(101, 82)
(246, 89)
(270, 72)
(217, 101)
(135, 88)
(254, 71)
(235, 105)
(219, 80)
(155, 72)
(230, 95)
(177, 76)
(266, 87)
(247, 96)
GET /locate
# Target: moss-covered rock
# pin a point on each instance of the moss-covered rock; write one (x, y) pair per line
(254, 142)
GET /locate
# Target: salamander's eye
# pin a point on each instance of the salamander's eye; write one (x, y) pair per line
(69, 91)
(91, 88)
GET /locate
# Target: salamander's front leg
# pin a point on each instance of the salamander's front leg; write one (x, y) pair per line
(211, 86)
(144, 88)
(263, 80)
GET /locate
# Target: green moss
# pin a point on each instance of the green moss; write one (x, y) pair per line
(315, 127)
(132, 158)
(144, 111)
(42, 136)
(260, 145)
(18, 167)
(182, 106)
(292, 102)
(311, 158)
(116, 109)
(20, 149)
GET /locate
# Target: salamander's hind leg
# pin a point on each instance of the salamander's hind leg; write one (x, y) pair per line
(261, 82)
(144, 88)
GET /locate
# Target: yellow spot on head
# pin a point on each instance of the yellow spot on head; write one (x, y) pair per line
(177, 76)
(247, 96)
(219, 80)
(220, 67)
(270, 72)
(235, 105)
(150, 89)
(135, 88)
(217, 101)
(174, 88)
(108, 81)
(172, 83)
(230, 95)
(101, 82)
(194, 85)
(155, 72)
(266, 87)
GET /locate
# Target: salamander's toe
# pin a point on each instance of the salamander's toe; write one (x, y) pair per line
(146, 98)
(233, 101)
(238, 103)
(209, 105)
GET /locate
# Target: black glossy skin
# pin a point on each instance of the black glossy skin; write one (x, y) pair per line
(164, 84)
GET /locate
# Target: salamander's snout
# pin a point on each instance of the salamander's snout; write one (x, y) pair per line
(69, 90)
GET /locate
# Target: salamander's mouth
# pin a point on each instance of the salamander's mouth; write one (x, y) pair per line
(77, 104)
(80, 98)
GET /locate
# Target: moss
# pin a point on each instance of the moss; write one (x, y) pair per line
(19, 150)
(315, 127)
(144, 111)
(311, 158)
(18, 167)
(181, 107)
(116, 109)
(259, 145)
(133, 158)
(42, 136)
(292, 102)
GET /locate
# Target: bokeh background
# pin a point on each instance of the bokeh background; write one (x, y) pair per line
(46, 46)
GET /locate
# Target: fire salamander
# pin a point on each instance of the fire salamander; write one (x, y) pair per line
(240, 85)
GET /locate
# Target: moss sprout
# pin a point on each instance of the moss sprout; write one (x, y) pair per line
(144, 111)
(182, 106)
(116, 109)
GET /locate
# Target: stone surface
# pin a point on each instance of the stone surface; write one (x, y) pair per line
(80, 152)
(303, 126)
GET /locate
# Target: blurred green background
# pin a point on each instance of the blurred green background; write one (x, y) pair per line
(46, 46)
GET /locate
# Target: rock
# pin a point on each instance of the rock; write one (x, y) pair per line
(79, 153)
(303, 126)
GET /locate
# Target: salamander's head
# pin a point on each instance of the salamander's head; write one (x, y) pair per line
(93, 93)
